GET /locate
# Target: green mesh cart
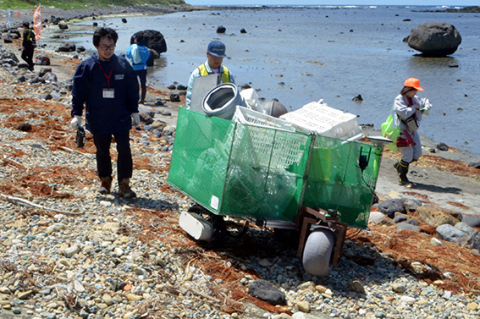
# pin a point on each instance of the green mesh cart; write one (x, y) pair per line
(277, 177)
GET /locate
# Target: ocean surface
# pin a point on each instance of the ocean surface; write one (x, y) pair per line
(306, 53)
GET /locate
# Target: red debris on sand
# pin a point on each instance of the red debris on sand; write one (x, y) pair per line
(407, 247)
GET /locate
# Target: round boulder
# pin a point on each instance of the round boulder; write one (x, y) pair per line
(435, 39)
(153, 40)
(67, 47)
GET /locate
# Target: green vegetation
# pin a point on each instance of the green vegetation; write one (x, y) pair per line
(80, 4)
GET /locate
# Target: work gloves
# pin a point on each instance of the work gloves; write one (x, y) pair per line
(135, 119)
(76, 121)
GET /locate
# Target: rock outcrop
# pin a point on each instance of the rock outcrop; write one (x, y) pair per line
(435, 39)
(153, 40)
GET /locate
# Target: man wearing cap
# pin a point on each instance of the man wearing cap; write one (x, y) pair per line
(213, 65)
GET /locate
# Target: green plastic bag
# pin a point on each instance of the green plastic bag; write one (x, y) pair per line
(391, 131)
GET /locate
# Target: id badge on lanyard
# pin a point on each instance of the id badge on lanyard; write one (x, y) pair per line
(108, 93)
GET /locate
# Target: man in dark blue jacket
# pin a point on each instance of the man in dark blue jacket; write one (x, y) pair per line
(108, 88)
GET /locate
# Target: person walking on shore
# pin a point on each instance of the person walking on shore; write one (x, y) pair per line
(108, 88)
(409, 110)
(213, 65)
(28, 45)
(137, 54)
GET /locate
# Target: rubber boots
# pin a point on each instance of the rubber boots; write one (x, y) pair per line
(402, 169)
(105, 185)
(395, 165)
(125, 190)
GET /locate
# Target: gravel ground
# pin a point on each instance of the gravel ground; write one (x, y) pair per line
(67, 252)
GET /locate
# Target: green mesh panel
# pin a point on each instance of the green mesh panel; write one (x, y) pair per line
(336, 181)
(244, 170)
(266, 173)
(200, 157)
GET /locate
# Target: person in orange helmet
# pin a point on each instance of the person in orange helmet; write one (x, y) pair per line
(409, 110)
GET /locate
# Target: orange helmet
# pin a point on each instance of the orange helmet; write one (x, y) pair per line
(413, 83)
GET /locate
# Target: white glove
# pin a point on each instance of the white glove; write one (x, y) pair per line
(135, 119)
(426, 106)
(77, 121)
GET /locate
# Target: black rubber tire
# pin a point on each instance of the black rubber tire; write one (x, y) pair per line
(317, 254)
(237, 229)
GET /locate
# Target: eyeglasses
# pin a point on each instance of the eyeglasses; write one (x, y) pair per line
(107, 47)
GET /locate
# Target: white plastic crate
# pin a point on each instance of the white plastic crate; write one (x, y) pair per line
(250, 117)
(286, 149)
(320, 118)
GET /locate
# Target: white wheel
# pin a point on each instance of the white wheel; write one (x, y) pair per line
(317, 254)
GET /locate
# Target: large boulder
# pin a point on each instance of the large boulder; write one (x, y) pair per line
(473, 241)
(470, 220)
(392, 206)
(266, 291)
(67, 47)
(436, 216)
(435, 39)
(153, 40)
(9, 56)
(449, 233)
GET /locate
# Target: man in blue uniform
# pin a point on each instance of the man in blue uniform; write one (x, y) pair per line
(106, 85)
(213, 65)
(137, 54)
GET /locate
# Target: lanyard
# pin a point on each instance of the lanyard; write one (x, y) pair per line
(107, 76)
(410, 101)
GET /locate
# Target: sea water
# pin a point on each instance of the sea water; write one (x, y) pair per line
(302, 54)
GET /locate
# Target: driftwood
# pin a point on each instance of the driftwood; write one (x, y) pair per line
(201, 294)
(24, 201)
(87, 155)
(14, 163)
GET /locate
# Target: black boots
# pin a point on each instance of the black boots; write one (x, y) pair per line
(402, 169)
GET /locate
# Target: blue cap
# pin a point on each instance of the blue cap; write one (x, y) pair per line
(216, 48)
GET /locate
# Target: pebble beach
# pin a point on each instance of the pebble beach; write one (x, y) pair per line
(67, 252)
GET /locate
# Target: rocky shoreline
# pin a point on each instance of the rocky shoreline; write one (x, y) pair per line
(55, 15)
(469, 9)
(67, 252)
